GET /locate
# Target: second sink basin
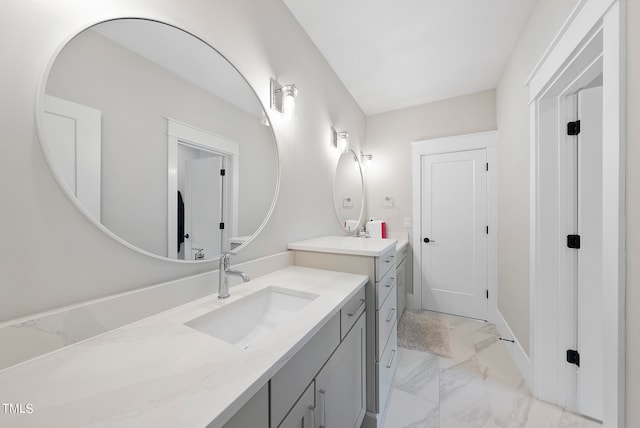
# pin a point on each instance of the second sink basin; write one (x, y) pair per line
(252, 317)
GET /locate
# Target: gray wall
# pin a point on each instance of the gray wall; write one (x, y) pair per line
(389, 136)
(53, 256)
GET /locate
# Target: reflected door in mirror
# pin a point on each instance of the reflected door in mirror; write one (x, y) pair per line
(203, 207)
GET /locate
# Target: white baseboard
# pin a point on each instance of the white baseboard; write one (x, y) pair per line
(518, 354)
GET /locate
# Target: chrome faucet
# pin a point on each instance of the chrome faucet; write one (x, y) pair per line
(362, 233)
(224, 270)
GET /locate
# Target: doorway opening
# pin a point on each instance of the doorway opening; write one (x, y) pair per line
(202, 192)
(577, 215)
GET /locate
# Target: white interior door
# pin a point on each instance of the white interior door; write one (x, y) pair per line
(203, 207)
(589, 375)
(454, 233)
(73, 137)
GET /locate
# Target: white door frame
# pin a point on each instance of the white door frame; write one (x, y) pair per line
(458, 143)
(181, 133)
(591, 42)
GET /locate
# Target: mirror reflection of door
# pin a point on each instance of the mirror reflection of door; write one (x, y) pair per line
(202, 188)
(208, 197)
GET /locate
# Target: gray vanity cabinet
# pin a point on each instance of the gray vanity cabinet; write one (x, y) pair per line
(340, 385)
(254, 414)
(381, 317)
(336, 398)
(329, 370)
(323, 385)
(293, 379)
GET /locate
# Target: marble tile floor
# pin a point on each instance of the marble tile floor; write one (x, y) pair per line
(479, 387)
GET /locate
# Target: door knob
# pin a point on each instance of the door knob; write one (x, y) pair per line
(427, 240)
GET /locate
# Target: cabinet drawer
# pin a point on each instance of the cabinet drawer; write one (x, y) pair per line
(385, 321)
(386, 369)
(302, 414)
(385, 261)
(292, 379)
(384, 286)
(351, 311)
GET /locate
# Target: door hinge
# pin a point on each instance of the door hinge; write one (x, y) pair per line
(487, 165)
(487, 293)
(221, 225)
(223, 172)
(573, 128)
(573, 357)
(573, 241)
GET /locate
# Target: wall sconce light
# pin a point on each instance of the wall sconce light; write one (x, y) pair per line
(340, 140)
(366, 160)
(283, 98)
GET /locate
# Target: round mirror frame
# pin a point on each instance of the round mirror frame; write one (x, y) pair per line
(39, 117)
(353, 155)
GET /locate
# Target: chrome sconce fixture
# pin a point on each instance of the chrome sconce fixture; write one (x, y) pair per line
(283, 98)
(340, 140)
(365, 159)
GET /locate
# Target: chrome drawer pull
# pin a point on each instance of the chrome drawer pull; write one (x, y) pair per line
(393, 354)
(357, 309)
(391, 314)
(324, 408)
(390, 282)
(312, 411)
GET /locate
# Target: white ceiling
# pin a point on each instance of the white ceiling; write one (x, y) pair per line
(396, 54)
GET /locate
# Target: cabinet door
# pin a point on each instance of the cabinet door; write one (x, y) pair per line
(254, 414)
(302, 414)
(292, 379)
(340, 386)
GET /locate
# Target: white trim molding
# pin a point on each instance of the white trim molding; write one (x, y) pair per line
(181, 133)
(590, 43)
(458, 143)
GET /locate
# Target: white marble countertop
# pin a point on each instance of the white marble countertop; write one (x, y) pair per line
(158, 372)
(345, 245)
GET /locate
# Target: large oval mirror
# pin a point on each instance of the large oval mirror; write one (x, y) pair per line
(159, 139)
(348, 191)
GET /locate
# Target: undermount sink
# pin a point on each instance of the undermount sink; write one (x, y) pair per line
(252, 317)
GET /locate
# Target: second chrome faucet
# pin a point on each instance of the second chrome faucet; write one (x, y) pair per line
(223, 271)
